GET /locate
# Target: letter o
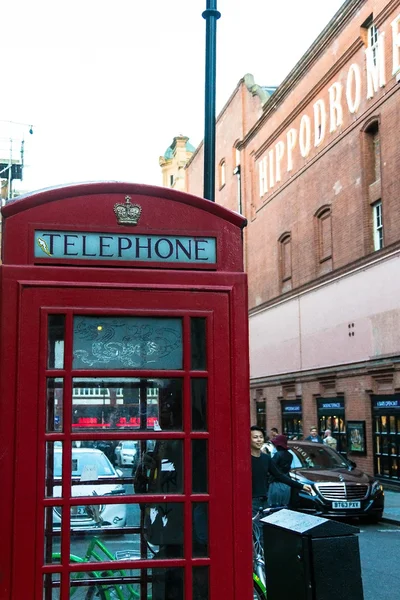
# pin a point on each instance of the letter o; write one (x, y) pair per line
(305, 136)
(353, 97)
(157, 244)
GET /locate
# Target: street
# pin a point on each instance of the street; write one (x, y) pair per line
(380, 562)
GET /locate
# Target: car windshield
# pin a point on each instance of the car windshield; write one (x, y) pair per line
(85, 463)
(129, 445)
(318, 457)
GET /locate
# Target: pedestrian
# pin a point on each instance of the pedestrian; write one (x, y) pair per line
(262, 467)
(279, 492)
(268, 445)
(329, 440)
(314, 437)
(273, 433)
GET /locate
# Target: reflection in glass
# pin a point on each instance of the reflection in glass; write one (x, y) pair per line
(200, 529)
(165, 580)
(55, 343)
(126, 404)
(53, 480)
(51, 586)
(392, 424)
(200, 583)
(54, 404)
(198, 343)
(160, 467)
(127, 343)
(199, 404)
(52, 534)
(199, 467)
(128, 583)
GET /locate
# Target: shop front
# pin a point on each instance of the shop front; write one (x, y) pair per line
(386, 436)
(292, 422)
(331, 415)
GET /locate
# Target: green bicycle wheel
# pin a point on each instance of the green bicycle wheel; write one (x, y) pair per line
(80, 592)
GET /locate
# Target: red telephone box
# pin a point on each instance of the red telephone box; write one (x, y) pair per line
(125, 462)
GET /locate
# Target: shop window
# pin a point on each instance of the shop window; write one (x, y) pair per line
(324, 233)
(377, 225)
(331, 415)
(292, 422)
(222, 173)
(285, 257)
(261, 415)
(386, 436)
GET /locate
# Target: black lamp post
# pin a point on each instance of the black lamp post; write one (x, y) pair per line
(211, 15)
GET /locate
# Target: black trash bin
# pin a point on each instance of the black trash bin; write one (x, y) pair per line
(311, 558)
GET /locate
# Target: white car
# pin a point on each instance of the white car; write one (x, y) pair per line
(126, 453)
(89, 464)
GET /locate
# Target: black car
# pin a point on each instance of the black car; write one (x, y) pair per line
(339, 489)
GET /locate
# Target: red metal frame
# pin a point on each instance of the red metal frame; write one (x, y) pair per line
(30, 292)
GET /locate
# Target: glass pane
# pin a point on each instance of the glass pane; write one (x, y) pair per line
(147, 466)
(160, 468)
(129, 584)
(199, 467)
(54, 404)
(199, 404)
(127, 343)
(55, 344)
(133, 531)
(127, 404)
(53, 470)
(200, 529)
(52, 534)
(200, 583)
(51, 586)
(166, 580)
(198, 344)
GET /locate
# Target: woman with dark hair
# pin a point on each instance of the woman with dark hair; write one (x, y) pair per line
(278, 492)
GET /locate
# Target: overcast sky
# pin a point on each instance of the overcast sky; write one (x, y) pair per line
(107, 85)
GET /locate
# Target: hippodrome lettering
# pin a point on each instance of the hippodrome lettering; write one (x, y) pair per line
(328, 114)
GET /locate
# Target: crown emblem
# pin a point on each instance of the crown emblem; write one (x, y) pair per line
(128, 213)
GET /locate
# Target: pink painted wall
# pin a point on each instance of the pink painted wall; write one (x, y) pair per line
(311, 330)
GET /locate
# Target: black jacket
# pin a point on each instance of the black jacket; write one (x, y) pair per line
(263, 468)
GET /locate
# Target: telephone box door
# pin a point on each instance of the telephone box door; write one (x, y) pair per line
(124, 437)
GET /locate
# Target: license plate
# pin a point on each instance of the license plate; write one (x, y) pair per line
(346, 504)
(78, 511)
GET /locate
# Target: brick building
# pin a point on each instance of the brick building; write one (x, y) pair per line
(314, 167)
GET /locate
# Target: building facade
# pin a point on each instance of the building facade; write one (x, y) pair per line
(315, 169)
(173, 163)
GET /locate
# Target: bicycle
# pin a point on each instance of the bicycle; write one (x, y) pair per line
(259, 573)
(259, 577)
(115, 584)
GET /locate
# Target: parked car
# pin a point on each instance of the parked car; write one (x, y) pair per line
(89, 464)
(126, 453)
(339, 488)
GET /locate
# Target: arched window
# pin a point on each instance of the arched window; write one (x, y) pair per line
(372, 177)
(222, 173)
(324, 233)
(285, 256)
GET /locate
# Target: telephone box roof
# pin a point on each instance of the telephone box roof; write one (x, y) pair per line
(47, 195)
